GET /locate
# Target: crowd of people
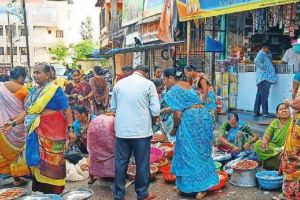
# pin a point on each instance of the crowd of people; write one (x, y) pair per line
(39, 122)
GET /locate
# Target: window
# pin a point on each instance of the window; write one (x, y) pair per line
(49, 32)
(13, 29)
(22, 31)
(23, 50)
(1, 50)
(59, 33)
(15, 51)
(1, 30)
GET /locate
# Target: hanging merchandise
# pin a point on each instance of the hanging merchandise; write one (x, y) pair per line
(260, 22)
(289, 14)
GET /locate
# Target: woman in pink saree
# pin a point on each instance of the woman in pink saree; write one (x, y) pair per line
(101, 147)
(12, 97)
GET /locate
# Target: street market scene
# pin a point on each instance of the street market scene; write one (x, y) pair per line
(150, 99)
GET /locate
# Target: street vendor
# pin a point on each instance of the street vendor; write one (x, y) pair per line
(165, 121)
(268, 149)
(235, 135)
(81, 125)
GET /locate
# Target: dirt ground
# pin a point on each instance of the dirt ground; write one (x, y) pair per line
(103, 191)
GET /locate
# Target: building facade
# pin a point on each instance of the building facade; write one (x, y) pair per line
(47, 26)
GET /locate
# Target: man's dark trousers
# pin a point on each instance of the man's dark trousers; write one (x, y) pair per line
(141, 151)
(262, 95)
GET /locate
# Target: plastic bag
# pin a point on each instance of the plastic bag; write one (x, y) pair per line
(32, 154)
(71, 173)
(73, 153)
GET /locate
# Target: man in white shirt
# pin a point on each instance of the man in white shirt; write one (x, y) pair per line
(292, 59)
(135, 102)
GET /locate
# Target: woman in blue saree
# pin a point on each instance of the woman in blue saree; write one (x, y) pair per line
(193, 125)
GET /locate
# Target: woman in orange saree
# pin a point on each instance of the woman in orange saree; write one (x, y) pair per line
(290, 163)
(12, 96)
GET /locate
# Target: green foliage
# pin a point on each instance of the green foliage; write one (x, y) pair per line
(59, 53)
(82, 49)
(105, 62)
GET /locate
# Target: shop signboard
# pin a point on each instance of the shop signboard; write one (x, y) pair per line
(149, 32)
(132, 12)
(192, 9)
(152, 7)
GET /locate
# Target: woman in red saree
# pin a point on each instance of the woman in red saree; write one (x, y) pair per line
(12, 97)
(47, 119)
(100, 92)
(101, 141)
(79, 92)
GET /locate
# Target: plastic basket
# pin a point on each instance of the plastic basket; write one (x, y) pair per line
(269, 180)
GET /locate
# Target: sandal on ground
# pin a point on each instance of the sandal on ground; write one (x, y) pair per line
(92, 180)
(18, 181)
(280, 197)
(201, 195)
(150, 196)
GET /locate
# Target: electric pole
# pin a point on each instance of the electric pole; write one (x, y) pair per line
(26, 35)
(10, 37)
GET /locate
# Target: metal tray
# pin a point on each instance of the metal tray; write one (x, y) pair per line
(22, 190)
(78, 194)
(41, 197)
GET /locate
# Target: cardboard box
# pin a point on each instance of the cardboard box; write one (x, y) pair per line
(225, 92)
(225, 78)
(233, 89)
(232, 102)
(219, 79)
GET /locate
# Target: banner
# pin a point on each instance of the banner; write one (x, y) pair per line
(192, 9)
(164, 31)
(152, 7)
(132, 11)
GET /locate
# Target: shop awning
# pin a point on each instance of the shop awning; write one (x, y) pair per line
(209, 8)
(149, 47)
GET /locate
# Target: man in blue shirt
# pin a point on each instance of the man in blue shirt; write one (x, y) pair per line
(265, 77)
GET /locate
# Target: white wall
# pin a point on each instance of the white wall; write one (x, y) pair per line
(247, 91)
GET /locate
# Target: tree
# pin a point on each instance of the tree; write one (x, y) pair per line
(86, 29)
(82, 49)
(59, 53)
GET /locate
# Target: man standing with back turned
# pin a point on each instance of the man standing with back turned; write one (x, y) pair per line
(265, 77)
(135, 103)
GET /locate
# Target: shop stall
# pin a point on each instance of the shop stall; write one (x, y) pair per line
(247, 31)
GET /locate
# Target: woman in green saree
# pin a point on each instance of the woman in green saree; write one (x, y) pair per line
(269, 148)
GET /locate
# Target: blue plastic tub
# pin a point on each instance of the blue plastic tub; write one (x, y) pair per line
(269, 180)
